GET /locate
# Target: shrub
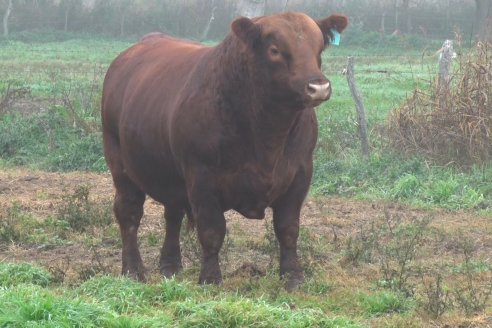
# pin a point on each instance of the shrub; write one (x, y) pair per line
(16, 225)
(436, 298)
(394, 244)
(452, 125)
(474, 289)
(81, 213)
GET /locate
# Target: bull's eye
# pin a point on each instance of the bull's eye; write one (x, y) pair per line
(273, 52)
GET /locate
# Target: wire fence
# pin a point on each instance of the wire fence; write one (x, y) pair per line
(61, 75)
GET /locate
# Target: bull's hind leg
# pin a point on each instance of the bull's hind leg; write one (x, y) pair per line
(128, 209)
(170, 261)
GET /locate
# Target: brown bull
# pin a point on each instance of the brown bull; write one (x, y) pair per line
(203, 130)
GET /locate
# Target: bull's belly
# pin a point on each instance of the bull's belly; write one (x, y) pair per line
(158, 180)
(251, 199)
(252, 211)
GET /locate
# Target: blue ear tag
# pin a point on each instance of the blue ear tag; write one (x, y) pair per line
(336, 37)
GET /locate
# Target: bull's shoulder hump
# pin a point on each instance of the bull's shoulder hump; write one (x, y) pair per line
(161, 38)
(159, 46)
(158, 36)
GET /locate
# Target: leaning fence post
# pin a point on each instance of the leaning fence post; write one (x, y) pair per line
(359, 105)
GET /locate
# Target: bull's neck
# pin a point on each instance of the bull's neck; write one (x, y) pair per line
(245, 97)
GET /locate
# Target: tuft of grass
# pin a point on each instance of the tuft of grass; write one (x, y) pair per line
(383, 302)
(407, 186)
(317, 286)
(23, 273)
(124, 295)
(33, 306)
(242, 312)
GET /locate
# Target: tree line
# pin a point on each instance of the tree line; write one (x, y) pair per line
(210, 19)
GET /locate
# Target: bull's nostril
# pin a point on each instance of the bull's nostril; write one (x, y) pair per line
(311, 89)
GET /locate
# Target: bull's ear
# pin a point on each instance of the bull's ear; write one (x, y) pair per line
(246, 30)
(334, 22)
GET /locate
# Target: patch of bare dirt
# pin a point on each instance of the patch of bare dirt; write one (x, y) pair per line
(333, 218)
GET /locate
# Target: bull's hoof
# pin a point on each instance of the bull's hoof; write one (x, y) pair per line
(136, 273)
(210, 280)
(170, 270)
(210, 272)
(293, 280)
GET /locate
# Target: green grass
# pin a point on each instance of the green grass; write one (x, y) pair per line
(120, 302)
(74, 50)
(64, 79)
(47, 140)
(381, 303)
(387, 176)
(23, 273)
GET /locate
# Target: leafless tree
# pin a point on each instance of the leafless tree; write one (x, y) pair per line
(405, 16)
(402, 16)
(483, 17)
(286, 3)
(68, 6)
(123, 8)
(6, 16)
(210, 21)
(250, 8)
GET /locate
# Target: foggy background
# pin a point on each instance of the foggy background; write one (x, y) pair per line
(200, 19)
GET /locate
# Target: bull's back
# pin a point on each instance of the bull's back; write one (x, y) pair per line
(153, 70)
(140, 96)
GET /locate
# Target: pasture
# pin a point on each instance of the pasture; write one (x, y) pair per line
(394, 241)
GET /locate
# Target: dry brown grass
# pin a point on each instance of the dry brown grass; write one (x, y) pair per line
(451, 125)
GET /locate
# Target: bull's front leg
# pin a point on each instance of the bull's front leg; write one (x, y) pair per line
(286, 213)
(211, 229)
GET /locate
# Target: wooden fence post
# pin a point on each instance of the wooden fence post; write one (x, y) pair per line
(445, 61)
(359, 105)
(444, 76)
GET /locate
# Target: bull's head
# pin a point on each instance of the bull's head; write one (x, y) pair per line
(286, 49)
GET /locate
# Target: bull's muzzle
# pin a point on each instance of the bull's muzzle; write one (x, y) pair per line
(319, 91)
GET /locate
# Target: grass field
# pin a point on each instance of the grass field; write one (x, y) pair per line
(394, 241)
